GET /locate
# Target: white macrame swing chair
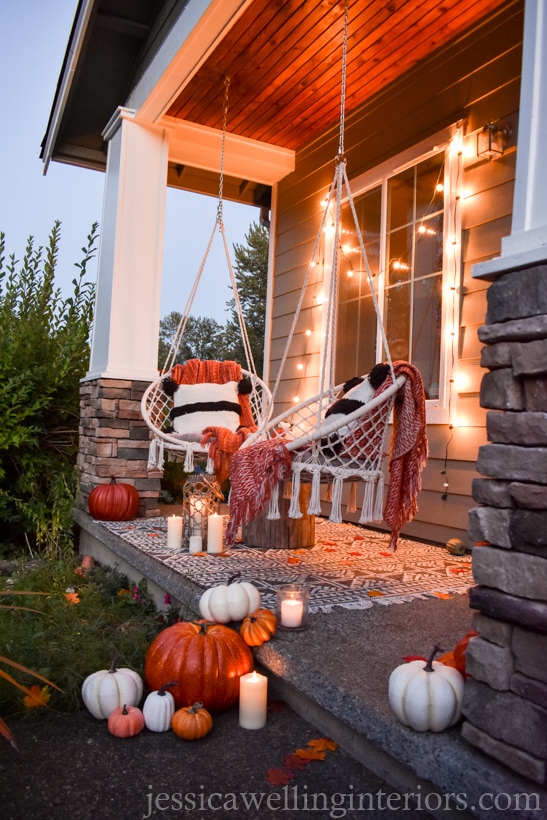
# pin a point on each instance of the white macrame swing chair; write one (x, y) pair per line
(323, 449)
(157, 405)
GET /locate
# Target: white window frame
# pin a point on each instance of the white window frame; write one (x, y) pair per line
(443, 409)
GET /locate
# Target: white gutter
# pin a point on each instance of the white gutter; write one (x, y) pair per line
(77, 40)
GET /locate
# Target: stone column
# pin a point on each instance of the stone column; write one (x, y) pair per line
(114, 439)
(505, 703)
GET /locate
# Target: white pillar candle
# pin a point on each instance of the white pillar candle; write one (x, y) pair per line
(174, 532)
(253, 700)
(195, 511)
(292, 611)
(196, 543)
(215, 524)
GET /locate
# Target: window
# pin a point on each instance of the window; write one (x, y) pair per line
(409, 224)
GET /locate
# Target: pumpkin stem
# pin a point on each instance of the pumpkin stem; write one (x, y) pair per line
(124, 710)
(112, 667)
(162, 689)
(232, 578)
(112, 479)
(429, 665)
(196, 707)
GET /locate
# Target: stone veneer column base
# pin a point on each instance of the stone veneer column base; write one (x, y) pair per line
(505, 702)
(114, 441)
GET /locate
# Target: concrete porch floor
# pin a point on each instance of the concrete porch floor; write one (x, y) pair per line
(335, 675)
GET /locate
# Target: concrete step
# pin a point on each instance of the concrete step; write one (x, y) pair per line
(335, 674)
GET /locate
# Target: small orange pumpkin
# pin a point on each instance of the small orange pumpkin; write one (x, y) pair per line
(192, 722)
(258, 627)
(113, 502)
(460, 650)
(126, 721)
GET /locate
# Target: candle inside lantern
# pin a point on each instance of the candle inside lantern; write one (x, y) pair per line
(196, 543)
(215, 524)
(253, 700)
(196, 510)
(292, 611)
(174, 532)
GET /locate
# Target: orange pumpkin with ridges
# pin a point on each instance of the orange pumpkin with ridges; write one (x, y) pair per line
(207, 661)
(258, 627)
(113, 502)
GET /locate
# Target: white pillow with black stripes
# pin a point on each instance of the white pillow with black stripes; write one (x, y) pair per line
(197, 406)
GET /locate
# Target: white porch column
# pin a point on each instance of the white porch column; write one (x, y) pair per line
(127, 307)
(527, 243)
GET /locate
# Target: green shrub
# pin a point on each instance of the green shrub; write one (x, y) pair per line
(44, 352)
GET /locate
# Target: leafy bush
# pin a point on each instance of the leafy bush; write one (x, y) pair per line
(44, 352)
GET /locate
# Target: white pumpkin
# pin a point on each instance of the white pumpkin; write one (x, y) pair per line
(426, 696)
(108, 689)
(158, 709)
(229, 602)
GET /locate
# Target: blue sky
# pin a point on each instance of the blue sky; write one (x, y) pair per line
(33, 39)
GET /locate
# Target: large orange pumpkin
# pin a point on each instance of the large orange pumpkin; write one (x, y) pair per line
(114, 502)
(207, 661)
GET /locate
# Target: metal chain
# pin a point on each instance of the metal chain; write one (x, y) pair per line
(344, 72)
(223, 150)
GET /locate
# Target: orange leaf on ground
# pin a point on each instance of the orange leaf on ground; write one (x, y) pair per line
(311, 754)
(6, 732)
(72, 597)
(323, 744)
(294, 560)
(375, 593)
(445, 596)
(37, 697)
(279, 777)
(295, 762)
(410, 658)
(276, 705)
(330, 549)
(355, 553)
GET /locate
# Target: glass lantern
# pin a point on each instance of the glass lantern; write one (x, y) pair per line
(292, 607)
(201, 497)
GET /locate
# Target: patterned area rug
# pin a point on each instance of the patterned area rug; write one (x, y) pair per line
(348, 566)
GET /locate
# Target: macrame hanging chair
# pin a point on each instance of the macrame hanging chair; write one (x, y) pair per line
(337, 435)
(206, 409)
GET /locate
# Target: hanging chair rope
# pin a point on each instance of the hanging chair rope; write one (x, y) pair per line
(340, 189)
(219, 225)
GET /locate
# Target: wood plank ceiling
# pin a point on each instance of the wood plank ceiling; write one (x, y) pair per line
(283, 58)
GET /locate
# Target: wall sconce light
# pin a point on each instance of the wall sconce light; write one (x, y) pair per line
(491, 141)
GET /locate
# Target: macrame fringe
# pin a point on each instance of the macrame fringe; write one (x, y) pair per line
(189, 460)
(368, 502)
(210, 467)
(336, 509)
(379, 501)
(273, 506)
(352, 500)
(314, 504)
(294, 507)
(155, 455)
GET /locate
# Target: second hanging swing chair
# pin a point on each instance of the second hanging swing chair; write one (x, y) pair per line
(338, 435)
(206, 409)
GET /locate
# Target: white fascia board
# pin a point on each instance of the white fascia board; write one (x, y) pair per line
(201, 147)
(66, 81)
(200, 27)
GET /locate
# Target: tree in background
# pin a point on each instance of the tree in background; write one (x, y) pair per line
(251, 275)
(205, 338)
(44, 352)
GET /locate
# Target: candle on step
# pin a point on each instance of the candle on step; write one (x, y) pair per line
(195, 543)
(174, 532)
(292, 611)
(253, 699)
(215, 524)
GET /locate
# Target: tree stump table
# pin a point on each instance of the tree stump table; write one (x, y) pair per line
(282, 533)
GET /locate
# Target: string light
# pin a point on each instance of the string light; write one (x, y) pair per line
(398, 265)
(300, 366)
(308, 332)
(296, 399)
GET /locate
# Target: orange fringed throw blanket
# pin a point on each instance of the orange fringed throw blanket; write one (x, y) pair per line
(409, 451)
(222, 442)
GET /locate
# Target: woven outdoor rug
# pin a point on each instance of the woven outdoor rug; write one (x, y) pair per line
(348, 566)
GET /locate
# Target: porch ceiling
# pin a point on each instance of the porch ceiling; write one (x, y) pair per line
(284, 62)
(283, 58)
